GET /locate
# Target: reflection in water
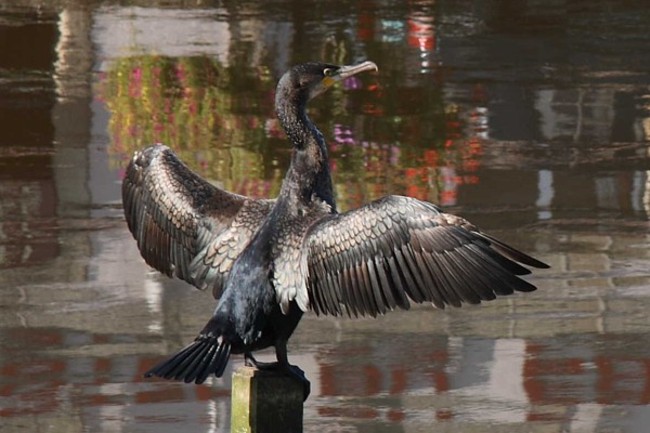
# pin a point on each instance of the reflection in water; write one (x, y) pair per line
(513, 114)
(192, 102)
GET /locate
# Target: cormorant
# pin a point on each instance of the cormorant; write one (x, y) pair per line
(269, 261)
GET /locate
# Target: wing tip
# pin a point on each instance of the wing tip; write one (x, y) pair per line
(514, 253)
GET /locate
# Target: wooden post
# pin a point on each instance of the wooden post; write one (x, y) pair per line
(265, 402)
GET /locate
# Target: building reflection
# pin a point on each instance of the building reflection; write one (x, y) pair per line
(81, 320)
(365, 376)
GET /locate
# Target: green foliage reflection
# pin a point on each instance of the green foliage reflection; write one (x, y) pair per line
(192, 104)
(221, 122)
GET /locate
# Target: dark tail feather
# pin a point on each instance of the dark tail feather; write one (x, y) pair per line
(514, 254)
(195, 362)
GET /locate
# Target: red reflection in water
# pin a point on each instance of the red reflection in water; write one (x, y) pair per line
(614, 379)
(33, 382)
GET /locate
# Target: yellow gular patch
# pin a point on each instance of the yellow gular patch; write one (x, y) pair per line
(328, 81)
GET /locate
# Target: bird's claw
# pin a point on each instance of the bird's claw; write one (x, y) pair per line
(250, 361)
(292, 371)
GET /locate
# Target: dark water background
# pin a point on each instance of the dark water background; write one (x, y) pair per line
(530, 118)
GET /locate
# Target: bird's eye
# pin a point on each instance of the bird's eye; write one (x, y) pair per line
(328, 72)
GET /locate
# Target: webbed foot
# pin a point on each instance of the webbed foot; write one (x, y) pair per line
(250, 361)
(292, 371)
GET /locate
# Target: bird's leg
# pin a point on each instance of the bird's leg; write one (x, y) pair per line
(281, 365)
(293, 371)
(250, 361)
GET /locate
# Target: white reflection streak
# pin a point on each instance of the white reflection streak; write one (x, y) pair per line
(212, 411)
(506, 379)
(62, 65)
(216, 415)
(546, 194)
(586, 418)
(502, 396)
(112, 417)
(153, 297)
(455, 351)
(73, 54)
(120, 32)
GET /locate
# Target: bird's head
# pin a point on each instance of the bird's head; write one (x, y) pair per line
(308, 80)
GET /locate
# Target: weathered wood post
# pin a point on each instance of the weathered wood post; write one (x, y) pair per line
(265, 402)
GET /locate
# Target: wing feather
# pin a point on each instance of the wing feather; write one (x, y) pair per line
(399, 284)
(184, 226)
(398, 249)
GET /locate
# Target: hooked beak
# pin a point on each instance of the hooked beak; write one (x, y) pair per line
(339, 74)
(348, 71)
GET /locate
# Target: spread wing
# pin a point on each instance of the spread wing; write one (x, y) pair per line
(398, 249)
(184, 226)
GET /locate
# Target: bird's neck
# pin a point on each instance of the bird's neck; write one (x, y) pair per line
(309, 172)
